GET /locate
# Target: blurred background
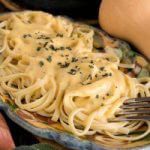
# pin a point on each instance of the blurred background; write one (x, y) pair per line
(77, 9)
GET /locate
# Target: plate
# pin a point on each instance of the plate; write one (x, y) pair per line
(67, 139)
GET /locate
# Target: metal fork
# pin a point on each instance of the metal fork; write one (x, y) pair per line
(134, 109)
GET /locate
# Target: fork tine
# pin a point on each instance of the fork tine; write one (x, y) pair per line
(137, 102)
(137, 118)
(134, 109)
(140, 99)
(134, 106)
(132, 118)
(143, 111)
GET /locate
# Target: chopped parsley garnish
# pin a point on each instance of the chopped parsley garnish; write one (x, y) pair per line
(29, 22)
(38, 49)
(65, 65)
(55, 49)
(61, 48)
(74, 59)
(46, 48)
(49, 58)
(110, 74)
(96, 76)
(84, 57)
(89, 77)
(72, 72)
(26, 35)
(101, 68)
(77, 68)
(69, 48)
(97, 96)
(85, 83)
(45, 44)
(107, 74)
(12, 106)
(102, 104)
(91, 66)
(52, 47)
(59, 35)
(43, 37)
(132, 54)
(14, 85)
(91, 61)
(4, 27)
(41, 63)
(107, 94)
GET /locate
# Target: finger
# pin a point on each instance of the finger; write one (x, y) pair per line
(6, 141)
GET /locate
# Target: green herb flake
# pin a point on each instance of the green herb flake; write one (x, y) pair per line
(59, 35)
(41, 63)
(52, 48)
(61, 48)
(13, 106)
(26, 35)
(45, 44)
(92, 62)
(72, 72)
(91, 66)
(108, 94)
(42, 36)
(97, 96)
(84, 57)
(14, 86)
(46, 48)
(89, 77)
(69, 48)
(132, 54)
(101, 68)
(96, 76)
(65, 65)
(74, 59)
(38, 49)
(110, 74)
(29, 22)
(105, 75)
(49, 58)
(4, 27)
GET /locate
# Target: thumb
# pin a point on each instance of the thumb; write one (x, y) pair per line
(6, 141)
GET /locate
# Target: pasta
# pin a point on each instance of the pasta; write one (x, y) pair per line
(48, 66)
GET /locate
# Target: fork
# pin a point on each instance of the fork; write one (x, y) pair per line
(134, 109)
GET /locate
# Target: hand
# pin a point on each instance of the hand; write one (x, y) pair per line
(6, 141)
(129, 20)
